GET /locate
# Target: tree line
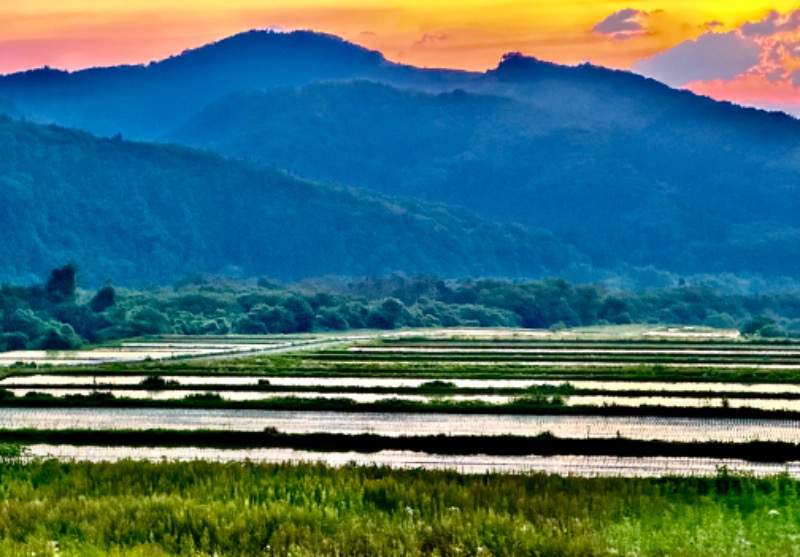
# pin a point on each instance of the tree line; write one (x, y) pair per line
(58, 314)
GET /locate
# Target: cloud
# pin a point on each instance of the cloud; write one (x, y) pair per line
(757, 64)
(710, 56)
(623, 24)
(431, 38)
(773, 23)
(752, 90)
(712, 25)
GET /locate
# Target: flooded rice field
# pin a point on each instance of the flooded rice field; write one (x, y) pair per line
(111, 381)
(134, 352)
(569, 351)
(568, 364)
(417, 359)
(399, 424)
(584, 466)
(172, 347)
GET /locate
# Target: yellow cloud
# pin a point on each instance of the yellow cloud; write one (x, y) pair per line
(477, 32)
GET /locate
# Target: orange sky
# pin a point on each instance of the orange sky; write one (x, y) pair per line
(470, 34)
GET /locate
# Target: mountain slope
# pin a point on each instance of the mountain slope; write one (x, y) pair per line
(147, 101)
(144, 212)
(625, 168)
(701, 187)
(144, 102)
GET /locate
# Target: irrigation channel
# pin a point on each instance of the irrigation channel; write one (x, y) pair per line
(679, 369)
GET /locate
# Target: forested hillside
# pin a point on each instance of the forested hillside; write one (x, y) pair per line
(139, 213)
(631, 173)
(711, 191)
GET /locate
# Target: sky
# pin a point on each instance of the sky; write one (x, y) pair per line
(743, 51)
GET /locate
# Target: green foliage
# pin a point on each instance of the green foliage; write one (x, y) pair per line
(391, 314)
(104, 299)
(161, 211)
(11, 452)
(438, 385)
(14, 341)
(63, 338)
(763, 326)
(624, 167)
(202, 508)
(149, 321)
(156, 382)
(591, 135)
(60, 287)
(29, 318)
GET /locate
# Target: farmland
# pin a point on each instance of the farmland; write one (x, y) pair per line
(670, 385)
(704, 423)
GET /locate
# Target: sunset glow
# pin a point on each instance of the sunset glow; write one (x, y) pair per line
(468, 34)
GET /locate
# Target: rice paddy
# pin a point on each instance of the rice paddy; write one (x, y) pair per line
(565, 465)
(658, 374)
(652, 404)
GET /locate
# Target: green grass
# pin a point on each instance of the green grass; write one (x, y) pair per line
(203, 509)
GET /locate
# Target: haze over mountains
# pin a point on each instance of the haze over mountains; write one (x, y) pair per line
(621, 170)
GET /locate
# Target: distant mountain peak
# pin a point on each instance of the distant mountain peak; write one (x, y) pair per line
(515, 66)
(304, 46)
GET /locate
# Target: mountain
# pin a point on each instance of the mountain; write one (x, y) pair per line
(628, 170)
(137, 212)
(701, 187)
(146, 101)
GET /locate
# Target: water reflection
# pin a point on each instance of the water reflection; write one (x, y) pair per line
(397, 424)
(586, 466)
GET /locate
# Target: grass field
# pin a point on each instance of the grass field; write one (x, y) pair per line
(200, 508)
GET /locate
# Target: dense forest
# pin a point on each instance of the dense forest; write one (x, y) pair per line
(58, 314)
(146, 213)
(704, 190)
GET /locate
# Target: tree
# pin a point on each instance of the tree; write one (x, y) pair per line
(149, 321)
(302, 313)
(104, 299)
(391, 314)
(13, 341)
(762, 326)
(64, 339)
(60, 287)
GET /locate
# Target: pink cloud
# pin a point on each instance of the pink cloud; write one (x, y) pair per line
(710, 56)
(752, 90)
(757, 64)
(69, 54)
